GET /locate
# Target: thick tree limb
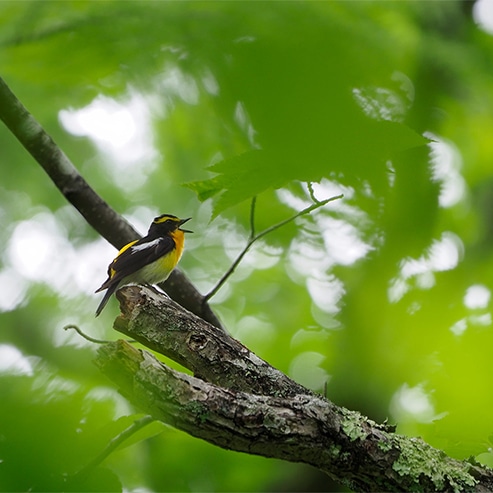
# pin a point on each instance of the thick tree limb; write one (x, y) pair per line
(305, 428)
(162, 325)
(107, 222)
(241, 403)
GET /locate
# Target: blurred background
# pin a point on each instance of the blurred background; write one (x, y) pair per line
(382, 299)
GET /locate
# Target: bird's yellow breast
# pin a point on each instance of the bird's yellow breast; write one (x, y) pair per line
(179, 239)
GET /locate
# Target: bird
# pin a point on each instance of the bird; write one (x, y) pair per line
(149, 260)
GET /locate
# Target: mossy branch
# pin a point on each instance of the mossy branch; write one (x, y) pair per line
(241, 403)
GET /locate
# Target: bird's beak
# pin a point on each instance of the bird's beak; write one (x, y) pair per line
(183, 221)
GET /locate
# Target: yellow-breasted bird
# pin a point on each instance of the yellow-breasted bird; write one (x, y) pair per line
(149, 260)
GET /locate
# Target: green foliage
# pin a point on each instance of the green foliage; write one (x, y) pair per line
(49, 424)
(383, 297)
(253, 172)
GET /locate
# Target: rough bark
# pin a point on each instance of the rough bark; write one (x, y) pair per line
(241, 403)
(197, 345)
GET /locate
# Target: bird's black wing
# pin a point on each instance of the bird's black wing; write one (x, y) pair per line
(140, 254)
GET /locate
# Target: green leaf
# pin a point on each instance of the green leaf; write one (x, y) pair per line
(251, 173)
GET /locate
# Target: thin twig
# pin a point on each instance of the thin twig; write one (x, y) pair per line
(112, 446)
(254, 238)
(307, 210)
(252, 217)
(223, 279)
(311, 192)
(85, 336)
(92, 339)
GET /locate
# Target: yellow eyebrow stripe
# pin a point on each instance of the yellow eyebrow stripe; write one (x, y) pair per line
(163, 219)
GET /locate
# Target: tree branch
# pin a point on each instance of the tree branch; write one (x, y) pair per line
(306, 428)
(107, 222)
(163, 326)
(242, 403)
(62, 172)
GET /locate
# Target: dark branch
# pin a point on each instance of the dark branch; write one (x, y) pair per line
(108, 223)
(62, 172)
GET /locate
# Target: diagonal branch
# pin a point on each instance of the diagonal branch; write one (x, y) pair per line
(162, 325)
(307, 428)
(107, 222)
(62, 172)
(240, 402)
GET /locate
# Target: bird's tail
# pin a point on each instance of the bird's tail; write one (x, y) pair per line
(111, 289)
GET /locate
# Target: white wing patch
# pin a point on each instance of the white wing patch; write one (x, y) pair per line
(144, 246)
